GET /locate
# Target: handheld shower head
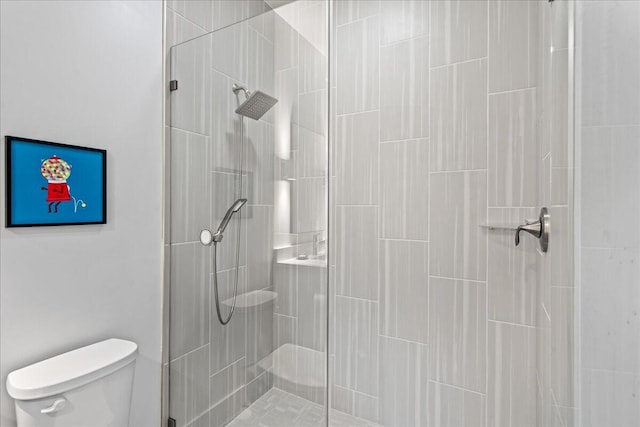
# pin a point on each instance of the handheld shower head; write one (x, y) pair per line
(238, 204)
(235, 207)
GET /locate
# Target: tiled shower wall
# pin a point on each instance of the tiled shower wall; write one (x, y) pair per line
(213, 369)
(436, 136)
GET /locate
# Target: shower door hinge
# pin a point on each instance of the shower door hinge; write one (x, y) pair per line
(173, 85)
(171, 423)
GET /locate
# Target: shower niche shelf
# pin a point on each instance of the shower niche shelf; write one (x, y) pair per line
(319, 261)
(252, 299)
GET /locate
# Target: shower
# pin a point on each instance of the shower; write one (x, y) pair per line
(401, 143)
(255, 105)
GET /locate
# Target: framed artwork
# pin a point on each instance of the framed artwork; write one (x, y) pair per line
(54, 184)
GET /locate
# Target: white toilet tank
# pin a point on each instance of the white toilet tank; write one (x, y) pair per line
(87, 387)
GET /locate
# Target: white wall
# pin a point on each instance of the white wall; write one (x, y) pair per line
(86, 73)
(608, 206)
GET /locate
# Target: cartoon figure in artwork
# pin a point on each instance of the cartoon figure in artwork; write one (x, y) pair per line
(56, 171)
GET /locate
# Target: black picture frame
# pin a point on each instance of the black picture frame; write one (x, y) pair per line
(22, 206)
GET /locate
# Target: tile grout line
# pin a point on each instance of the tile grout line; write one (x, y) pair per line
(454, 64)
(189, 21)
(457, 388)
(502, 322)
(479, 282)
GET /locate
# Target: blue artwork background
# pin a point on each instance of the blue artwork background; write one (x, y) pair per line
(29, 205)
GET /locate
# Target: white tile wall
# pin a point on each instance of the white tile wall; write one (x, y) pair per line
(453, 407)
(260, 59)
(403, 19)
(228, 55)
(458, 31)
(227, 12)
(190, 303)
(190, 64)
(404, 289)
(404, 189)
(356, 363)
(458, 207)
(259, 266)
(227, 381)
(197, 11)
(513, 149)
(403, 383)
(562, 345)
(312, 284)
(459, 116)
(437, 118)
(348, 11)
(225, 128)
(513, 44)
(457, 332)
(357, 159)
(511, 393)
(189, 388)
(228, 341)
(357, 242)
(404, 96)
(190, 204)
(358, 65)
(559, 108)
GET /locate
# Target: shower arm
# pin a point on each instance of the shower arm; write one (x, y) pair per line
(237, 88)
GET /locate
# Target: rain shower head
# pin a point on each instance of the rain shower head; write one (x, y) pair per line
(256, 104)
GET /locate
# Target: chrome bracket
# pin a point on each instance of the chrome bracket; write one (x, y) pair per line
(539, 229)
(207, 237)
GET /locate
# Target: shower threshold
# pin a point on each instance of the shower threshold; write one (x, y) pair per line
(277, 408)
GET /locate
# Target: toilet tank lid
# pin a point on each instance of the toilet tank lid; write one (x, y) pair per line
(70, 370)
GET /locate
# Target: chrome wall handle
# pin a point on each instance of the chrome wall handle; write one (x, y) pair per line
(539, 229)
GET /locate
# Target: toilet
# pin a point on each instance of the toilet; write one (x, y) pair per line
(89, 386)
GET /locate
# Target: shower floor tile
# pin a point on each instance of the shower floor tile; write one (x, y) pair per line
(277, 408)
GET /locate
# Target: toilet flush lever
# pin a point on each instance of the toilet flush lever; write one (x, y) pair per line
(539, 229)
(56, 406)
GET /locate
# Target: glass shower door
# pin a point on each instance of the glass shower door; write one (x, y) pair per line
(248, 183)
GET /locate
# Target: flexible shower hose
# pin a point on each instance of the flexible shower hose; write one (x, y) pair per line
(226, 320)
